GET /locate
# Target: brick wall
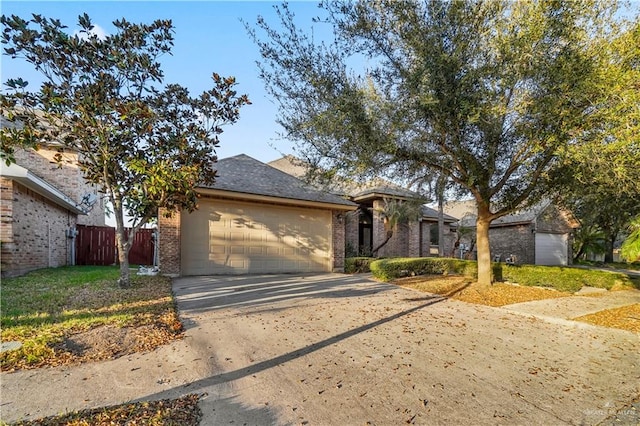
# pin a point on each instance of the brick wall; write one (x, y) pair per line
(169, 243)
(553, 220)
(352, 237)
(338, 231)
(33, 231)
(517, 240)
(65, 176)
(414, 239)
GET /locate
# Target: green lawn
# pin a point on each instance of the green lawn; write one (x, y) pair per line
(44, 307)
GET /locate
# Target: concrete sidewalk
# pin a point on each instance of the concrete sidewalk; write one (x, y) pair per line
(568, 308)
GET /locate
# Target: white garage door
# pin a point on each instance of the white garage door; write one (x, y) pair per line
(231, 237)
(551, 249)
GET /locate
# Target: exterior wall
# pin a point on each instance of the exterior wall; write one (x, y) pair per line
(338, 231)
(449, 239)
(66, 176)
(414, 239)
(169, 243)
(352, 220)
(33, 231)
(378, 228)
(554, 221)
(518, 240)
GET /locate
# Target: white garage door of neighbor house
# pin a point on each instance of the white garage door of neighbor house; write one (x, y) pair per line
(551, 249)
(232, 237)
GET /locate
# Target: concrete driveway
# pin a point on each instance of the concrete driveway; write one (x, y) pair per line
(345, 350)
(334, 349)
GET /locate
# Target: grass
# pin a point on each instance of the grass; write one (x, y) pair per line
(632, 266)
(44, 308)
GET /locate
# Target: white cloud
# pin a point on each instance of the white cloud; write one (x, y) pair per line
(97, 30)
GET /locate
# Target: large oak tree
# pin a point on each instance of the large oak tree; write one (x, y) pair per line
(145, 144)
(485, 93)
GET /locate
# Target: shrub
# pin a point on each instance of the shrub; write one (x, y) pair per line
(355, 265)
(563, 278)
(388, 269)
(558, 277)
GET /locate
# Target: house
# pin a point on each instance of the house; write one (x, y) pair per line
(41, 203)
(255, 219)
(365, 226)
(540, 235)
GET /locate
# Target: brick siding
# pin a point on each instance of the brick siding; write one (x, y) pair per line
(513, 240)
(65, 176)
(32, 228)
(169, 243)
(33, 231)
(338, 231)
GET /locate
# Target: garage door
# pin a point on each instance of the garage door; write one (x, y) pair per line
(229, 237)
(551, 249)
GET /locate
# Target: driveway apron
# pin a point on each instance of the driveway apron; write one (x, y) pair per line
(335, 349)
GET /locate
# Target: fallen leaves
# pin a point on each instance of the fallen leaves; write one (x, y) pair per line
(460, 288)
(182, 411)
(625, 318)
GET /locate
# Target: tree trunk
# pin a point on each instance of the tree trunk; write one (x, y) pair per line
(441, 186)
(122, 243)
(374, 252)
(484, 251)
(608, 255)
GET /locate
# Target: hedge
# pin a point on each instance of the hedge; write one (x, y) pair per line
(355, 265)
(564, 278)
(388, 269)
(558, 277)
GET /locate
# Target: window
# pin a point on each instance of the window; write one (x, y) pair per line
(433, 234)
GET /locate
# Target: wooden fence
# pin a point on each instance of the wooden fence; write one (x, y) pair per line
(96, 245)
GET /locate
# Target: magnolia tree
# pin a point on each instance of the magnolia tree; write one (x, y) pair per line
(486, 94)
(145, 144)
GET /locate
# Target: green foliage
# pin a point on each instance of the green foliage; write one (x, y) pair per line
(486, 94)
(356, 265)
(388, 269)
(144, 144)
(560, 278)
(630, 249)
(395, 212)
(563, 278)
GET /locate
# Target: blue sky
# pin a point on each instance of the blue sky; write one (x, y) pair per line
(209, 37)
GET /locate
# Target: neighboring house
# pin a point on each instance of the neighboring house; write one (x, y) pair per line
(41, 203)
(540, 235)
(255, 219)
(365, 227)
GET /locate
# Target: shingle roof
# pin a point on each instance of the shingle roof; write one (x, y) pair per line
(246, 175)
(359, 191)
(429, 213)
(466, 212)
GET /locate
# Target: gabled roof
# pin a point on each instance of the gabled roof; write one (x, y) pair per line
(431, 214)
(242, 175)
(466, 213)
(357, 191)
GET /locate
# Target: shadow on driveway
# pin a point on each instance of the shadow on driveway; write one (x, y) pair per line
(207, 294)
(202, 294)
